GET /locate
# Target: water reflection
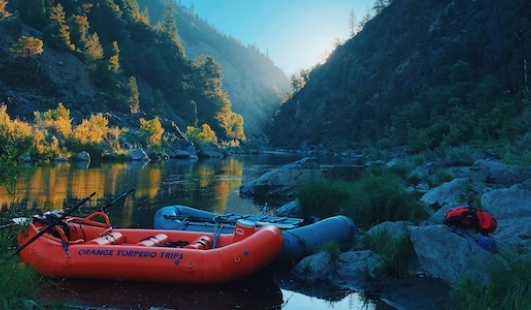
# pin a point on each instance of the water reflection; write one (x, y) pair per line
(258, 292)
(212, 185)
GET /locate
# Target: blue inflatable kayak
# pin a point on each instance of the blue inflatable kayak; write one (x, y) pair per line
(300, 237)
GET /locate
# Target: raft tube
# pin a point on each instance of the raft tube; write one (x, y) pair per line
(299, 240)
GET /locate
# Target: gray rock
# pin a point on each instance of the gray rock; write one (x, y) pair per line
(82, 156)
(448, 193)
(282, 181)
(449, 254)
(181, 149)
(137, 155)
(210, 150)
(508, 203)
(290, 209)
(355, 269)
(397, 229)
(487, 173)
(424, 172)
(316, 267)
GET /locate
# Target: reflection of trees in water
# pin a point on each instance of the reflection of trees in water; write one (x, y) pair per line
(257, 292)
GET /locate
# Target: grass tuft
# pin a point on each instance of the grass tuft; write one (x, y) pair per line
(509, 287)
(397, 252)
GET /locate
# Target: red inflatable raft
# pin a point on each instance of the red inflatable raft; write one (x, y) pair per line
(86, 248)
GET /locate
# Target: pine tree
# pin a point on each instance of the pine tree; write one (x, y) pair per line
(79, 32)
(133, 96)
(57, 31)
(169, 25)
(114, 60)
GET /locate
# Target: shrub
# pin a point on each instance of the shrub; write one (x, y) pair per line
(462, 155)
(199, 137)
(508, 288)
(375, 199)
(322, 198)
(17, 282)
(397, 253)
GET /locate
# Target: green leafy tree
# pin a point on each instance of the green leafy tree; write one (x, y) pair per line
(27, 47)
(133, 97)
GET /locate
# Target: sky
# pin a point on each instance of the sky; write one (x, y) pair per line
(295, 34)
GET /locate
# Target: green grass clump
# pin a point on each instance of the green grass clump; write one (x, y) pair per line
(331, 247)
(18, 283)
(509, 287)
(323, 198)
(397, 252)
(378, 198)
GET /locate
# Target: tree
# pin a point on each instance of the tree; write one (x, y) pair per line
(157, 106)
(93, 130)
(379, 5)
(152, 130)
(352, 23)
(57, 119)
(169, 25)
(3, 12)
(79, 32)
(114, 60)
(27, 47)
(133, 96)
(57, 31)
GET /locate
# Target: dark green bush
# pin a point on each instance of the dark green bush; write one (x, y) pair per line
(375, 199)
(17, 282)
(323, 198)
(396, 252)
(508, 288)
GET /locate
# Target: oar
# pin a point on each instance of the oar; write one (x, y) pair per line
(55, 222)
(110, 203)
(219, 220)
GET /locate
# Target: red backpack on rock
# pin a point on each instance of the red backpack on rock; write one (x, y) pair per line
(468, 217)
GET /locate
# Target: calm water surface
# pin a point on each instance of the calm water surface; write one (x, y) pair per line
(211, 185)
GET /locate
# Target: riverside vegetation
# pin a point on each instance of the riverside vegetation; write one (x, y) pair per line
(379, 195)
(376, 196)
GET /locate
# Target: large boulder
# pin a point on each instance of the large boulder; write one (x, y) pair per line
(182, 149)
(486, 174)
(508, 203)
(210, 150)
(82, 157)
(316, 267)
(448, 193)
(137, 155)
(356, 269)
(448, 254)
(282, 182)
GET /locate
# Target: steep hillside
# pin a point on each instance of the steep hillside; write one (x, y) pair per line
(106, 57)
(422, 74)
(253, 82)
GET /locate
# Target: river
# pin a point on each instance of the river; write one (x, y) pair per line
(211, 185)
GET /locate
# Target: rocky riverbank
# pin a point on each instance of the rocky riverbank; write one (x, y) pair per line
(444, 255)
